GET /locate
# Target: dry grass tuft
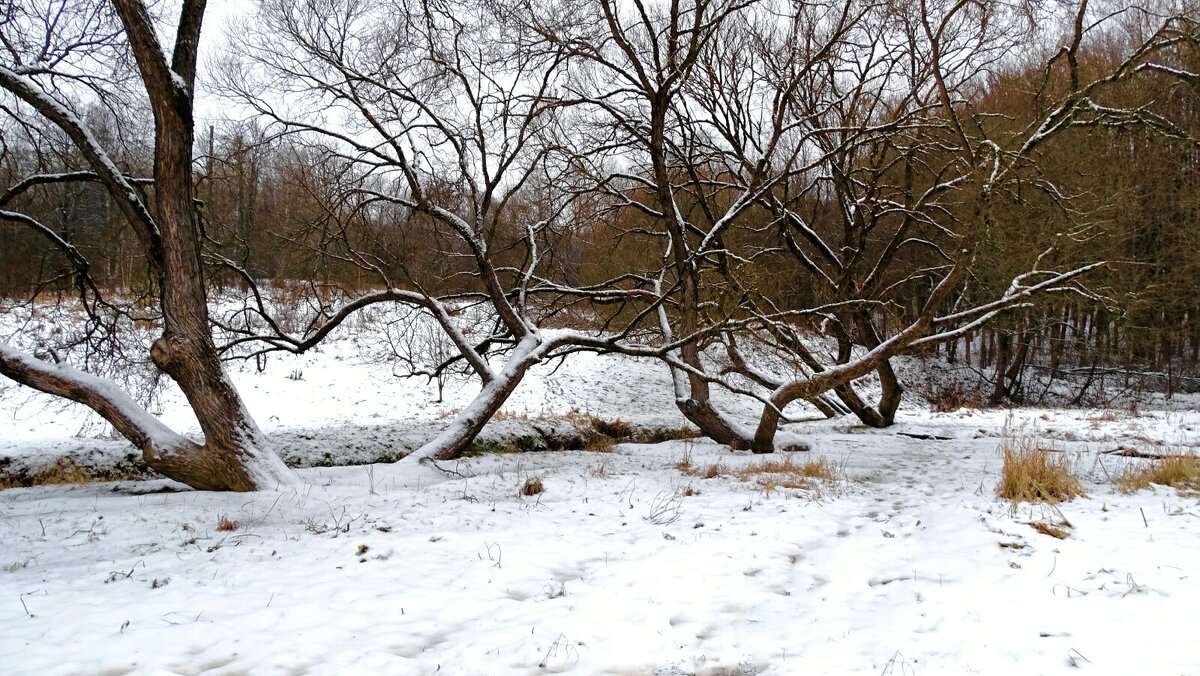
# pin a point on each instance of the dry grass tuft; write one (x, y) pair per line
(596, 442)
(510, 415)
(685, 463)
(1050, 529)
(1176, 471)
(532, 486)
(591, 437)
(226, 524)
(68, 472)
(601, 470)
(953, 397)
(1035, 474)
(770, 474)
(787, 473)
(820, 468)
(599, 435)
(614, 429)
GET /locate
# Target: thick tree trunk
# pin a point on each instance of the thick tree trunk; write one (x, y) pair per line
(207, 467)
(892, 392)
(234, 455)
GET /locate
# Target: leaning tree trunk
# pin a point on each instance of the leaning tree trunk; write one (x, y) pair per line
(454, 440)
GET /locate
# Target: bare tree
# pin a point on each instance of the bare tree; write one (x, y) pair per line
(940, 180)
(448, 115)
(56, 58)
(849, 124)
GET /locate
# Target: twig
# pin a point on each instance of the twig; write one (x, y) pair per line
(447, 471)
(666, 508)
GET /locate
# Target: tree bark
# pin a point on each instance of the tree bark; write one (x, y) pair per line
(234, 455)
(1000, 386)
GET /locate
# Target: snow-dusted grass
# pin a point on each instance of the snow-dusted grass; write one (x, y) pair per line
(1177, 471)
(1031, 473)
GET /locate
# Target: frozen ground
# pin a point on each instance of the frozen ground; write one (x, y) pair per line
(907, 564)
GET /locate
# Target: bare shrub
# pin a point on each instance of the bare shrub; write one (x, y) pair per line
(666, 508)
(226, 524)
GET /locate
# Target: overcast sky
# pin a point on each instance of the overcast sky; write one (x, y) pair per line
(217, 19)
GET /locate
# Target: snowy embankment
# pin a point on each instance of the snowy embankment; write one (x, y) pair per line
(629, 562)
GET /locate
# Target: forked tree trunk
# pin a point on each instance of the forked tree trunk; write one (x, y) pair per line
(234, 455)
(892, 391)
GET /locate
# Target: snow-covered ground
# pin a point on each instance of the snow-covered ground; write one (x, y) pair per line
(906, 564)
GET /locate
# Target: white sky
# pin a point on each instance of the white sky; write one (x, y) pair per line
(217, 18)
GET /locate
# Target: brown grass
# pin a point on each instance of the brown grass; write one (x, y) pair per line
(953, 397)
(614, 429)
(226, 524)
(599, 435)
(596, 442)
(1050, 529)
(685, 463)
(1035, 474)
(67, 472)
(787, 473)
(1176, 471)
(509, 415)
(771, 473)
(591, 437)
(532, 486)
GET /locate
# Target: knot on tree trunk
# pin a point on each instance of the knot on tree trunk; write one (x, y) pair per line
(166, 351)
